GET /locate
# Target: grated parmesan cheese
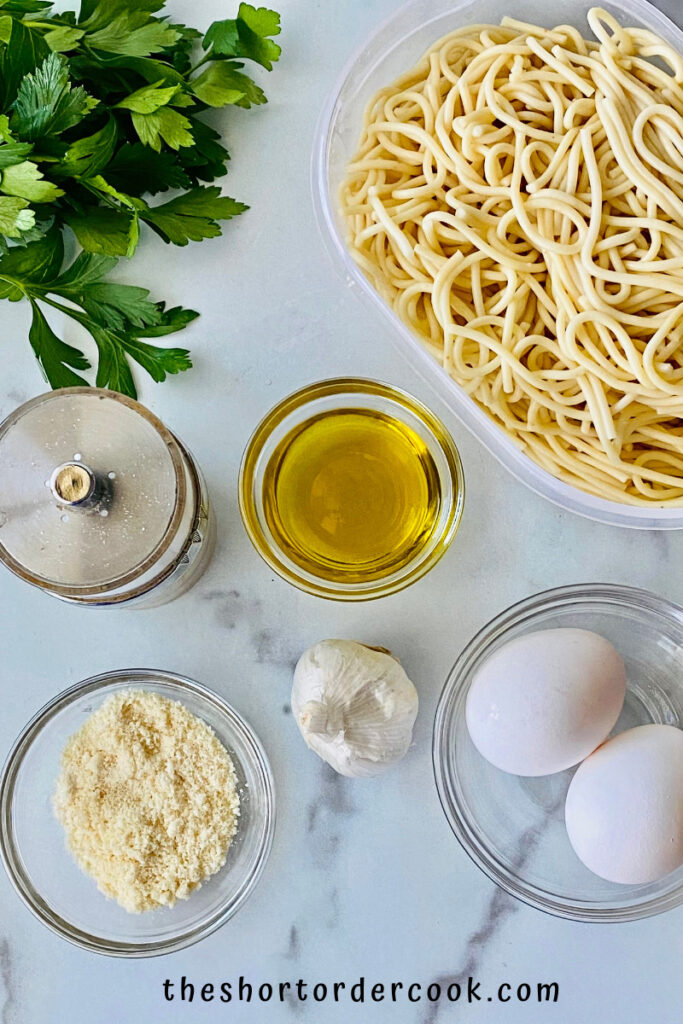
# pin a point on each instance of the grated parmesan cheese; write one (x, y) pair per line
(147, 796)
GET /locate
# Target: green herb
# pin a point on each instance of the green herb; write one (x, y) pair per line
(101, 110)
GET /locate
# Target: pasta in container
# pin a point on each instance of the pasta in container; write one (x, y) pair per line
(517, 199)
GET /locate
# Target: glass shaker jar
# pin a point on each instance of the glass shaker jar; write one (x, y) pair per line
(100, 504)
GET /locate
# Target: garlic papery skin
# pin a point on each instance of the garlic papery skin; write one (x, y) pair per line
(354, 705)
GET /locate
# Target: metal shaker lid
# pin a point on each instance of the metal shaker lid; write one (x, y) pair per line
(92, 490)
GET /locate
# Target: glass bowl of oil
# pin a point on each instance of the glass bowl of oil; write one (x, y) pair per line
(351, 489)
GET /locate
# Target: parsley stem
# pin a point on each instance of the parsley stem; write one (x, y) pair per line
(15, 282)
(102, 196)
(75, 314)
(205, 59)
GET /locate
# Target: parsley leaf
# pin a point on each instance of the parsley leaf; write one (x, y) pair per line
(105, 230)
(164, 124)
(127, 35)
(46, 104)
(149, 98)
(247, 35)
(117, 305)
(15, 216)
(115, 347)
(136, 169)
(26, 6)
(262, 21)
(117, 317)
(182, 60)
(97, 14)
(26, 181)
(89, 155)
(12, 153)
(207, 159)
(85, 269)
(221, 84)
(113, 370)
(23, 268)
(172, 320)
(63, 38)
(192, 216)
(157, 361)
(33, 234)
(110, 77)
(21, 51)
(56, 359)
(100, 184)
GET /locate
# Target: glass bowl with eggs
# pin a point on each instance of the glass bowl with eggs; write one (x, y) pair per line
(558, 752)
(103, 798)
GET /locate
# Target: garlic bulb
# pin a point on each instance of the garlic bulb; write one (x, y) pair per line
(354, 705)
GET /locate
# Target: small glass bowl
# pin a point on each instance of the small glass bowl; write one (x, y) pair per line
(349, 393)
(47, 878)
(513, 827)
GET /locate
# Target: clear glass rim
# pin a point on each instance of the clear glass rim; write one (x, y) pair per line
(11, 857)
(479, 424)
(250, 501)
(451, 704)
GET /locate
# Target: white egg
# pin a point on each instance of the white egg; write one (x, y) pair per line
(544, 701)
(624, 809)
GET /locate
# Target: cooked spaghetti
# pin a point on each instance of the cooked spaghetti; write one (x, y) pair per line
(518, 200)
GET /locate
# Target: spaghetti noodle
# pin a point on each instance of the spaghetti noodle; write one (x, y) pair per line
(517, 198)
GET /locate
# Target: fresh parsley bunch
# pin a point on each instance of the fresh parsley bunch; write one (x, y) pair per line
(100, 110)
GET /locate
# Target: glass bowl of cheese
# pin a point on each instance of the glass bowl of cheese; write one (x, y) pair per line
(33, 842)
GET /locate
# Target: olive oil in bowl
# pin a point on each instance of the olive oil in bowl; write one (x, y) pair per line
(351, 489)
(351, 494)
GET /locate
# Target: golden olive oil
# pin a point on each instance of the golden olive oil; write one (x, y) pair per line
(351, 495)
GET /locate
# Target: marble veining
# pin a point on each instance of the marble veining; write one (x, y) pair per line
(231, 608)
(326, 814)
(327, 819)
(293, 944)
(498, 909)
(273, 649)
(7, 993)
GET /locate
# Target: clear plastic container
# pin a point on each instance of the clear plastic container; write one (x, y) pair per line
(396, 45)
(100, 503)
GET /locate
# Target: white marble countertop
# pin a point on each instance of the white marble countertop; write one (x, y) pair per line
(365, 877)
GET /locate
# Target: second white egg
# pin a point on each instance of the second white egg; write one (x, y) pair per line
(624, 810)
(546, 700)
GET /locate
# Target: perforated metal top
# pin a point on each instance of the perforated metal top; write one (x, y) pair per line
(92, 490)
